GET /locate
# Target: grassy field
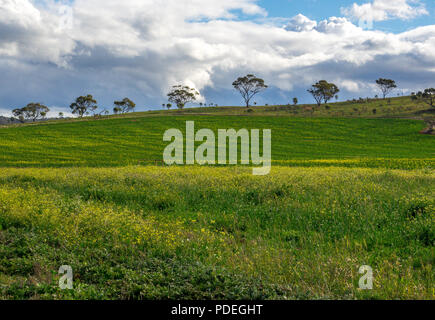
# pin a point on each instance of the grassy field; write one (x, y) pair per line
(399, 107)
(126, 141)
(343, 192)
(217, 232)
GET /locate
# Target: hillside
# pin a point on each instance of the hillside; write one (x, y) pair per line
(399, 107)
(344, 191)
(129, 141)
(347, 130)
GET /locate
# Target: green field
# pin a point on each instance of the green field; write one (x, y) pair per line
(345, 191)
(127, 141)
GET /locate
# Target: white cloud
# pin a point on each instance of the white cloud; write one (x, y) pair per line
(5, 113)
(350, 85)
(33, 34)
(140, 48)
(381, 10)
(301, 23)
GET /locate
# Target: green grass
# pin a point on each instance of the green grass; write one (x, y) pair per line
(343, 192)
(399, 107)
(126, 141)
(195, 233)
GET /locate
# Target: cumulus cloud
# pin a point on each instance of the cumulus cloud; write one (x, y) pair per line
(32, 34)
(301, 23)
(52, 51)
(381, 10)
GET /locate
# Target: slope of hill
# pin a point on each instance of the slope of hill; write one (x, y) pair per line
(399, 107)
(127, 141)
(361, 193)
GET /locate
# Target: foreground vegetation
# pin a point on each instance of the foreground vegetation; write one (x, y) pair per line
(155, 233)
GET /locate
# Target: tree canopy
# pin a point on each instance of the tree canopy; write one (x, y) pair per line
(32, 111)
(125, 105)
(83, 105)
(427, 96)
(249, 86)
(386, 86)
(181, 95)
(323, 91)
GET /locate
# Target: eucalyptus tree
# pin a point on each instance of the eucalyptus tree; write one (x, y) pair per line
(249, 86)
(83, 105)
(33, 111)
(181, 95)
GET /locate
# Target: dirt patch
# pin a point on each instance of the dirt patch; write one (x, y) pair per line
(430, 129)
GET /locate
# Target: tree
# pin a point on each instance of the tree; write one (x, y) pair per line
(117, 110)
(60, 114)
(100, 114)
(249, 86)
(19, 113)
(317, 94)
(83, 105)
(125, 105)
(169, 106)
(428, 96)
(32, 111)
(323, 91)
(181, 95)
(386, 86)
(295, 101)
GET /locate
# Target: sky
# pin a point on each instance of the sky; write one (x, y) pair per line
(53, 51)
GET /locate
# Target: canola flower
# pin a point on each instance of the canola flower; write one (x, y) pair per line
(311, 227)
